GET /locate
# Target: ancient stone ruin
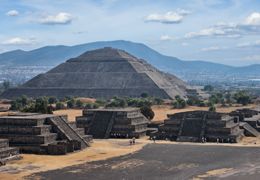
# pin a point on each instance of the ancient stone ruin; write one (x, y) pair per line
(7, 153)
(249, 121)
(192, 126)
(43, 133)
(104, 73)
(104, 123)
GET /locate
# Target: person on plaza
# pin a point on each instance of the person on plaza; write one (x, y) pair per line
(154, 137)
(133, 140)
(217, 140)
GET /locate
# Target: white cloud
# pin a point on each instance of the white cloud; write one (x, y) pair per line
(215, 48)
(20, 41)
(248, 58)
(61, 18)
(248, 44)
(170, 17)
(167, 38)
(185, 44)
(79, 31)
(28, 12)
(205, 32)
(183, 12)
(12, 13)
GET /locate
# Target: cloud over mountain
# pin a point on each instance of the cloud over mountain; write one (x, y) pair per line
(20, 41)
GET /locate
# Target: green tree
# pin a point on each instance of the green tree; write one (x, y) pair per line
(222, 101)
(228, 97)
(183, 104)
(115, 97)
(68, 97)
(96, 106)
(212, 108)
(202, 104)
(177, 97)
(25, 100)
(59, 105)
(210, 103)
(208, 88)
(147, 112)
(79, 103)
(53, 99)
(42, 99)
(220, 95)
(70, 103)
(88, 106)
(192, 100)
(144, 94)
(122, 102)
(101, 101)
(175, 104)
(158, 100)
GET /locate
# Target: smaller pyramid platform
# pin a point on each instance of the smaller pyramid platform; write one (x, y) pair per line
(107, 123)
(42, 133)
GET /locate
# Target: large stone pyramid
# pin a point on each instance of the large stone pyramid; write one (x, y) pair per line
(103, 73)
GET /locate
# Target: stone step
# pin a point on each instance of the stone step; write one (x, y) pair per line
(8, 152)
(68, 131)
(29, 139)
(21, 122)
(4, 143)
(249, 130)
(26, 130)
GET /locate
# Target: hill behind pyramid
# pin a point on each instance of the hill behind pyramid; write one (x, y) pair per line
(103, 73)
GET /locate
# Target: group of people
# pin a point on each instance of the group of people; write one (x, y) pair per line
(218, 140)
(118, 135)
(132, 142)
(223, 140)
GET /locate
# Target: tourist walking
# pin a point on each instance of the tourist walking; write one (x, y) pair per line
(133, 140)
(154, 137)
(217, 140)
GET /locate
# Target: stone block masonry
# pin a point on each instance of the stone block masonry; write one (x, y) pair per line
(7, 153)
(192, 126)
(123, 123)
(42, 133)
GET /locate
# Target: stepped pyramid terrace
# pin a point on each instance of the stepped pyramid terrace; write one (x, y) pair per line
(105, 123)
(192, 126)
(43, 133)
(104, 73)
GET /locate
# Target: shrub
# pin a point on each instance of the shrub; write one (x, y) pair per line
(193, 100)
(88, 106)
(210, 104)
(39, 108)
(59, 105)
(96, 106)
(70, 103)
(144, 94)
(68, 97)
(230, 104)
(115, 97)
(175, 104)
(91, 96)
(76, 96)
(177, 97)
(140, 103)
(212, 108)
(158, 100)
(202, 104)
(122, 102)
(147, 112)
(183, 104)
(42, 99)
(208, 88)
(53, 99)
(79, 103)
(101, 101)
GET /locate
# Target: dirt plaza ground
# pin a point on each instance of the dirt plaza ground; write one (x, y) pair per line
(116, 159)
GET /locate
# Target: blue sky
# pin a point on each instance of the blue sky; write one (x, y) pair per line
(221, 31)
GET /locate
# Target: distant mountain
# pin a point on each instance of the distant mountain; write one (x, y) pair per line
(54, 55)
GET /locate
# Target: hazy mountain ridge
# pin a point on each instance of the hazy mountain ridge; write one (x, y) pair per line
(54, 55)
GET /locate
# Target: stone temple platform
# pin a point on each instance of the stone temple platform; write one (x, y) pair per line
(192, 126)
(42, 133)
(7, 153)
(249, 121)
(101, 123)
